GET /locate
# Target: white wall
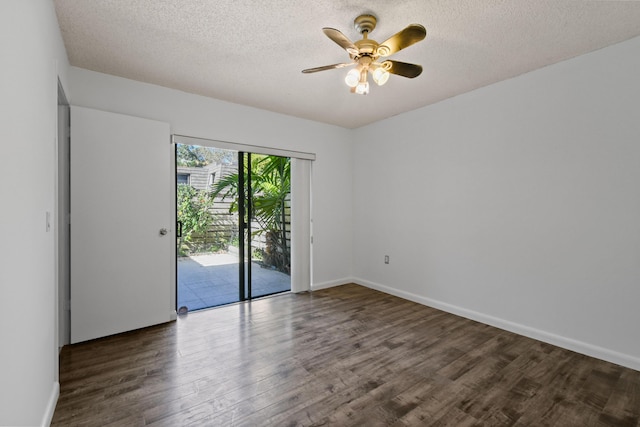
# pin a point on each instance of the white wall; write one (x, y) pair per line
(203, 117)
(517, 204)
(30, 45)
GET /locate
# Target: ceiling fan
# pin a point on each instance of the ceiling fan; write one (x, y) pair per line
(366, 54)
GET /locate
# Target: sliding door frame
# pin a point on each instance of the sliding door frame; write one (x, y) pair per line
(301, 218)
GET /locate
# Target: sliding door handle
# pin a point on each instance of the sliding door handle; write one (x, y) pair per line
(179, 229)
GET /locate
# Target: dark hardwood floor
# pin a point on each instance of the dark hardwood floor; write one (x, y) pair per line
(345, 356)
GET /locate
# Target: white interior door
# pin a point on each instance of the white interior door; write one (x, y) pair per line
(121, 263)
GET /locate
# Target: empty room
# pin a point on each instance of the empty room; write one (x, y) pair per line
(326, 213)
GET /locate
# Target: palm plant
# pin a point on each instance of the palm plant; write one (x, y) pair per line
(270, 186)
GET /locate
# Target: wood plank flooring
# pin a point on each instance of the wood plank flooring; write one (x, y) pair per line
(345, 356)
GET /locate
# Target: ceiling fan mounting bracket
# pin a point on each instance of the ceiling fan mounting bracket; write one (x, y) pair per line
(364, 24)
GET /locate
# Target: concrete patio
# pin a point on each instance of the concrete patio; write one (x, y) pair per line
(209, 280)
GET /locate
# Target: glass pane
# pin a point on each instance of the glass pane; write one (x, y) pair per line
(206, 209)
(182, 178)
(270, 224)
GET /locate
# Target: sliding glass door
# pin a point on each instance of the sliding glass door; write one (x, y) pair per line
(233, 220)
(266, 210)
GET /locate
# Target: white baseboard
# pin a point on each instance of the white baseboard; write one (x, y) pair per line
(51, 405)
(540, 335)
(332, 283)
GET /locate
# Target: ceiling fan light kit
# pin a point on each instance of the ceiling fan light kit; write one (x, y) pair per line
(365, 54)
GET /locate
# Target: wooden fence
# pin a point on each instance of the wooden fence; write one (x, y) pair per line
(223, 232)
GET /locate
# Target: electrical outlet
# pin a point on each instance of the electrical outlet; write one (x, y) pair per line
(386, 259)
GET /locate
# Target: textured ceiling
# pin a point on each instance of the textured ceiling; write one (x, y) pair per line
(252, 52)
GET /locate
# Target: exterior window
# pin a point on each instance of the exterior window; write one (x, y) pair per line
(182, 178)
(212, 178)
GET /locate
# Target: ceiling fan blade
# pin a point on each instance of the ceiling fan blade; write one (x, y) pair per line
(403, 69)
(342, 40)
(405, 38)
(327, 67)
